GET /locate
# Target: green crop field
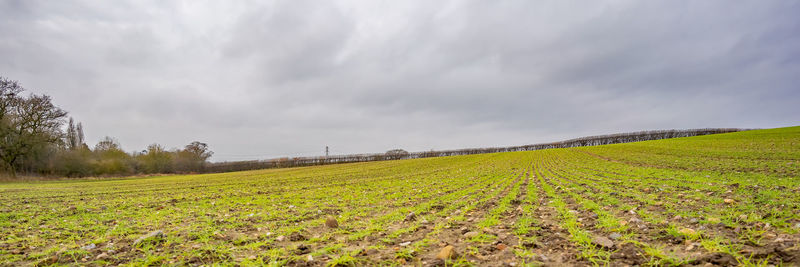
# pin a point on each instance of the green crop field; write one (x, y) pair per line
(727, 199)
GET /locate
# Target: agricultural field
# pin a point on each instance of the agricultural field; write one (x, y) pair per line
(727, 199)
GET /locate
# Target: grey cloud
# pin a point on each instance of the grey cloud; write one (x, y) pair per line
(289, 41)
(264, 79)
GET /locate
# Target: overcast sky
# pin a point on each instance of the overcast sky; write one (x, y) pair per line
(263, 79)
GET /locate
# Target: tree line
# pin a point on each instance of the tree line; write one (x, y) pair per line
(402, 154)
(38, 138)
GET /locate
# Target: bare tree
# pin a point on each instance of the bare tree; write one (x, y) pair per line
(193, 157)
(74, 136)
(25, 123)
(110, 159)
(79, 135)
(396, 154)
(199, 151)
(107, 144)
(70, 136)
(9, 94)
(157, 159)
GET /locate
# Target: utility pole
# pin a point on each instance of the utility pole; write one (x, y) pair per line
(326, 151)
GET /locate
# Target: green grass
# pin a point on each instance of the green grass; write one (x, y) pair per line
(649, 193)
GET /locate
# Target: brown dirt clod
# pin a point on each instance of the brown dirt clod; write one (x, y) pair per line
(331, 222)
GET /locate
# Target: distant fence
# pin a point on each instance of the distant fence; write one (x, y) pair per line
(577, 142)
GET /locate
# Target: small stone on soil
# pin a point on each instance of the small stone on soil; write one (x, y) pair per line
(89, 246)
(152, 235)
(471, 234)
(501, 247)
(410, 217)
(405, 244)
(693, 220)
(102, 256)
(603, 242)
(688, 231)
(615, 236)
(729, 201)
(448, 252)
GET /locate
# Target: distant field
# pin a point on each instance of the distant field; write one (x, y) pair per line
(726, 199)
